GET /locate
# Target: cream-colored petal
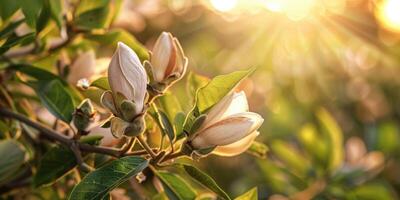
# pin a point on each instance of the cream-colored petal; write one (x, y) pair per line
(231, 104)
(372, 161)
(117, 80)
(355, 150)
(134, 73)
(83, 67)
(181, 60)
(228, 130)
(236, 148)
(162, 51)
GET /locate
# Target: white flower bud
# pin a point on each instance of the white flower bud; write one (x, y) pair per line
(229, 127)
(84, 66)
(167, 60)
(127, 76)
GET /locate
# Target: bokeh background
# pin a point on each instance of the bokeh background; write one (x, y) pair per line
(327, 84)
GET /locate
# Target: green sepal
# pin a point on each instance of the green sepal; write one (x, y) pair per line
(136, 127)
(197, 124)
(128, 110)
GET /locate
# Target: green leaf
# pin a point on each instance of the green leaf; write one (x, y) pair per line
(94, 14)
(163, 122)
(31, 10)
(249, 195)
(167, 126)
(213, 92)
(15, 40)
(36, 72)
(334, 135)
(170, 105)
(205, 180)
(56, 11)
(12, 158)
(8, 30)
(258, 149)
(219, 87)
(371, 191)
(294, 161)
(8, 8)
(111, 38)
(195, 82)
(57, 162)
(179, 122)
(56, 98)
(387, 138)
(44, 16)
(101, 83)
(100, 182)
(177, 188)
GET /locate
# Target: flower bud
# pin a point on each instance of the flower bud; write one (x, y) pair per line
(168, 62)
(228, 127)
(83, 67)
(128, 78)
(84, 115)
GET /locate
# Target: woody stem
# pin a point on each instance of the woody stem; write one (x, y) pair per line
(144, 144)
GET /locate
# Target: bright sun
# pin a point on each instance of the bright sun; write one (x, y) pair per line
(388, 13)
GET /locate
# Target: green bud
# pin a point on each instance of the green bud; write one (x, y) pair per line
(86, 107)
(83, 115)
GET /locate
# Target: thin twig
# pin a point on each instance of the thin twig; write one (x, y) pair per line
(78, 155)
(127, 146)
(172, 156)
(137, 153)
(146, 146)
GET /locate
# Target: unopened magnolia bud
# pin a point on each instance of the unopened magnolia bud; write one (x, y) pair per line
(83, 115)
(168, 62)
(83, 67)
(127, 77)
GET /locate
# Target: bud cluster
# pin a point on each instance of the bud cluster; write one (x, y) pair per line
(227, 129)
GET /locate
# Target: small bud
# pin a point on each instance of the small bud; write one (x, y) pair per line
(127, 77)
(84, 66)
(167, 62)
(83, 115)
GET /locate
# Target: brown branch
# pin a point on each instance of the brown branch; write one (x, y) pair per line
(53, 135)
(44, 130)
